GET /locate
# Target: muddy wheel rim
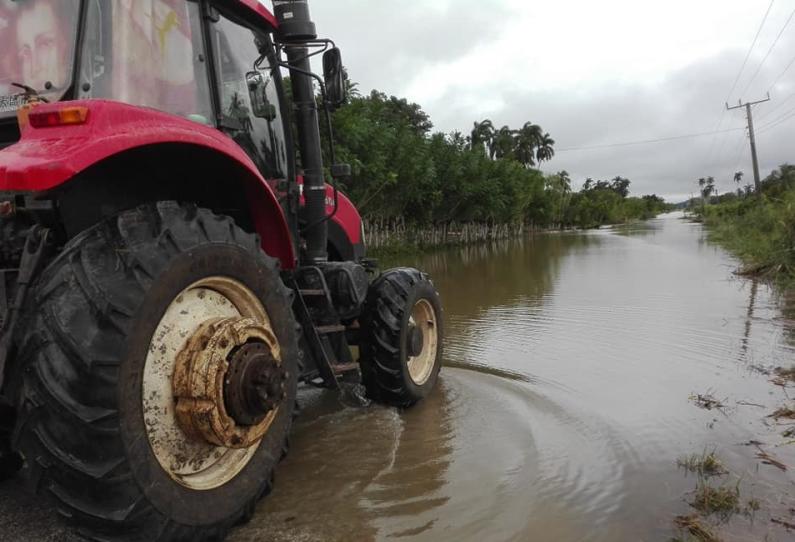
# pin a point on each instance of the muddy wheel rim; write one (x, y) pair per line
(421, 366)
(193, 463)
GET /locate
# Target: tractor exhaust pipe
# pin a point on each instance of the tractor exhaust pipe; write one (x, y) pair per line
(296, 26)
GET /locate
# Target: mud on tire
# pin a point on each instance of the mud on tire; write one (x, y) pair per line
(80, 423)
(385, 343)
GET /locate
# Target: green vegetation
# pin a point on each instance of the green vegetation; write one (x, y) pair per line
(759, 227)
(401, 169)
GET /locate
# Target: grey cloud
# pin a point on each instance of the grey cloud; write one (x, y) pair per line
(386, 43)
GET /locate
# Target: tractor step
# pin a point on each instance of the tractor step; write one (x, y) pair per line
(312, 293)
(345, 368)
(327, 330)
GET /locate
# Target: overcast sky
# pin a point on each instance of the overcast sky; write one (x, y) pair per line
(590, 73)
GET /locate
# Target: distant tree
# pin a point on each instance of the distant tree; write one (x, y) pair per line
(482, 134)
(620, 186)
(526, 142)
(545, 150)
(503, 144)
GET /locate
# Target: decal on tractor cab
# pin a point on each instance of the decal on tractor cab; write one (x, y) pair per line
(37, 45)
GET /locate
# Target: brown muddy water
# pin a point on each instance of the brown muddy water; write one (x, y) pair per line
(563, 406)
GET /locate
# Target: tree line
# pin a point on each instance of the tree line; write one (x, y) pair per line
(403, 169)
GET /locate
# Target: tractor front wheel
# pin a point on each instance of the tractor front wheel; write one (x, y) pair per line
(401, 344)
(157, 376)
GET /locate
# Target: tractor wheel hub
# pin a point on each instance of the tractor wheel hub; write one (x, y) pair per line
(415, 340)
(228, 382)
(254, 384)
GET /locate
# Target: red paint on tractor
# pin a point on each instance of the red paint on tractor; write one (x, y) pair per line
(45, 158)
(347, 215)
(260, 10)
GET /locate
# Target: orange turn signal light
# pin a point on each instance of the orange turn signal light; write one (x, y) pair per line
(65, 116)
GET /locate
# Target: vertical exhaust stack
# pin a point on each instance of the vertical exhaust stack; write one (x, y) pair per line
(295, 27)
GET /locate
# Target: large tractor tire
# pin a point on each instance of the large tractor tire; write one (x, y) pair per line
(401, 340)
(10, 462)
(158, 376)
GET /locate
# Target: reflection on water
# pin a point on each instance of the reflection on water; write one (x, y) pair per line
(563, 404)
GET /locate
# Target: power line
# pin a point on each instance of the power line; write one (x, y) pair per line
(773, 46)
(781, 104)
(778, 121)
(739, 74)
(750, 50)
(777, 79)
(646, 141)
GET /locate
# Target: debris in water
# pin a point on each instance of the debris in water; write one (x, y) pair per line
(707, 464)
(767, 459)
(786, 524)
(784, 376)
(707, 401)
(694, 526)
(783, 412)
(746, 403)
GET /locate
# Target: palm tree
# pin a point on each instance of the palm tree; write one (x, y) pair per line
(738, 177)
(503, 145)
(482, 135)
(526, 143)
(545, 150)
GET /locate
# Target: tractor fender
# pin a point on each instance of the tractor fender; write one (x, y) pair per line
(47, 158)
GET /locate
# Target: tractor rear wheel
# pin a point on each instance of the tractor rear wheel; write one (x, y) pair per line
(401, 344)
(10, 462)
(158, 376)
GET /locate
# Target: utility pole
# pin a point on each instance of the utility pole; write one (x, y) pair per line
(750, 117)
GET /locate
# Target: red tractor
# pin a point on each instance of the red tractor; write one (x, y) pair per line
(174, 263)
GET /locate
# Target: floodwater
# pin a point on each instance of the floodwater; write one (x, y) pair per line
(564, 403)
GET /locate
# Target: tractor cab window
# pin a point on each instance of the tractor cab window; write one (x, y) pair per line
(250, 103)
(37, 42)
(147, 53)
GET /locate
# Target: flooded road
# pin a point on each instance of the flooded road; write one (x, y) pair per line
(564, 404)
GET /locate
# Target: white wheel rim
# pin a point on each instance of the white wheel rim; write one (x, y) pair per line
(194, 464)
(421, 366)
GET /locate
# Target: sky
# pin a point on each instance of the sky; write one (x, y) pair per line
(592, 74)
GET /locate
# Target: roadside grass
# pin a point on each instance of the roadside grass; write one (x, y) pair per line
(759, 227)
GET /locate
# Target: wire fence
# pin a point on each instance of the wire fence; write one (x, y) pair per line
(381, 233)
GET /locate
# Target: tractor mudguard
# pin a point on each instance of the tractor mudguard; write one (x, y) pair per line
(46, 158)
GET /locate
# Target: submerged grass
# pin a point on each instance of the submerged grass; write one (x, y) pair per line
(721, 501)
(705, 464)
